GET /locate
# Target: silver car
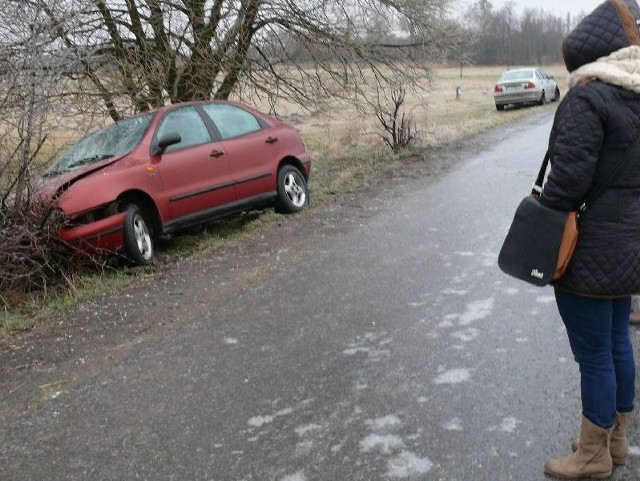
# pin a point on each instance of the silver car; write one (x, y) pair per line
(525, 86)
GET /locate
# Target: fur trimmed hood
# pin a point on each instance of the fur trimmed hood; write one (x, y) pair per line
(621, 68)
(612, 26)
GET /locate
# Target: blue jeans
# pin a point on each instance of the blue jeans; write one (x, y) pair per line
(598, 331)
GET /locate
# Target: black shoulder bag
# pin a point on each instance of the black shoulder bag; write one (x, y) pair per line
(541, 240)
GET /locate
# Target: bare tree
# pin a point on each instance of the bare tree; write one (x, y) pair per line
(34, 96)
(29, 77)
(507, 23)
(479, 20)
(37, 100)
(139, 54)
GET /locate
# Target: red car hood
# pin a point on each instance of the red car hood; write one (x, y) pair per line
(51, 186)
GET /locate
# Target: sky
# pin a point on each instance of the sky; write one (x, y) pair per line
(559, 7)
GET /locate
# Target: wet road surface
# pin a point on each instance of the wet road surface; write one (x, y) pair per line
(393, 350)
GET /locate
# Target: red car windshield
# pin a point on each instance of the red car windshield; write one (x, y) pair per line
(114, 140)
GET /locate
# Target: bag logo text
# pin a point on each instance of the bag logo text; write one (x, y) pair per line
(537, 273)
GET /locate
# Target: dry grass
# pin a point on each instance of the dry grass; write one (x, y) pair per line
(440, 118)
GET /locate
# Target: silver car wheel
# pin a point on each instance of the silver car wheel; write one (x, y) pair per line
(294, 190)
(137, 236)
(142, 237)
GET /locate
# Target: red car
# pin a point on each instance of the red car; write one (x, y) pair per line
(172, 168)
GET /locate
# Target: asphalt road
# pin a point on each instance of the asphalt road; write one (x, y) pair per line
(393, 348)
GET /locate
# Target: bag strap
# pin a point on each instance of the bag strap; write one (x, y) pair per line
(536, 190)
(595, 193)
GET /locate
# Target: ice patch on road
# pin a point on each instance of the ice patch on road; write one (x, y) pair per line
(408, 464)
(401, 462)
(453, 376)
(230, 340)
(476, 310)
(510, 290)
(362, 342)
(417, 304)
(460, 279)
(303, 448)
(456, 292)
(259, 421)
(306, 428)
(336, 447)
(465, 253)
(453, 424)
(377, 355)
(381, 442)
(488, 259)
(508, 425)
(384, 423)
(545, 299)
(467, 335)
(298, 476)
(355, 350)
(634, 450)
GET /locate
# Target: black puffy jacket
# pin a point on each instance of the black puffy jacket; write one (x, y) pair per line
(594, 126)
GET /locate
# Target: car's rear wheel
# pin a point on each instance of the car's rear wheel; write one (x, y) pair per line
(556, 95)
(543, 98)
(138, 243)
(499, 107)
(293, 193)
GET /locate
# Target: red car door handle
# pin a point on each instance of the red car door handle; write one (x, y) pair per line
(272, 140)
(216, 153)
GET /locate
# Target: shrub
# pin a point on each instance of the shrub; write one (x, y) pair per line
(399, 127)
(32, 258)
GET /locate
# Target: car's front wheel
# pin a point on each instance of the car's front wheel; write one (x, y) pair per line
(293, 193)
(138, 243)
(556, 96)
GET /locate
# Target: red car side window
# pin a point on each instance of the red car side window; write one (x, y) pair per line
(187, 122)
(231, 121)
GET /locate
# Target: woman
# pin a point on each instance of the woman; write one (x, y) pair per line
(594, 127)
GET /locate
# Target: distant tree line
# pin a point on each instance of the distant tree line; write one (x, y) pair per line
(491, 36)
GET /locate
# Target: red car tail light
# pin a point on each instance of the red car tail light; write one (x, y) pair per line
(529, 85)
(498, 88)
